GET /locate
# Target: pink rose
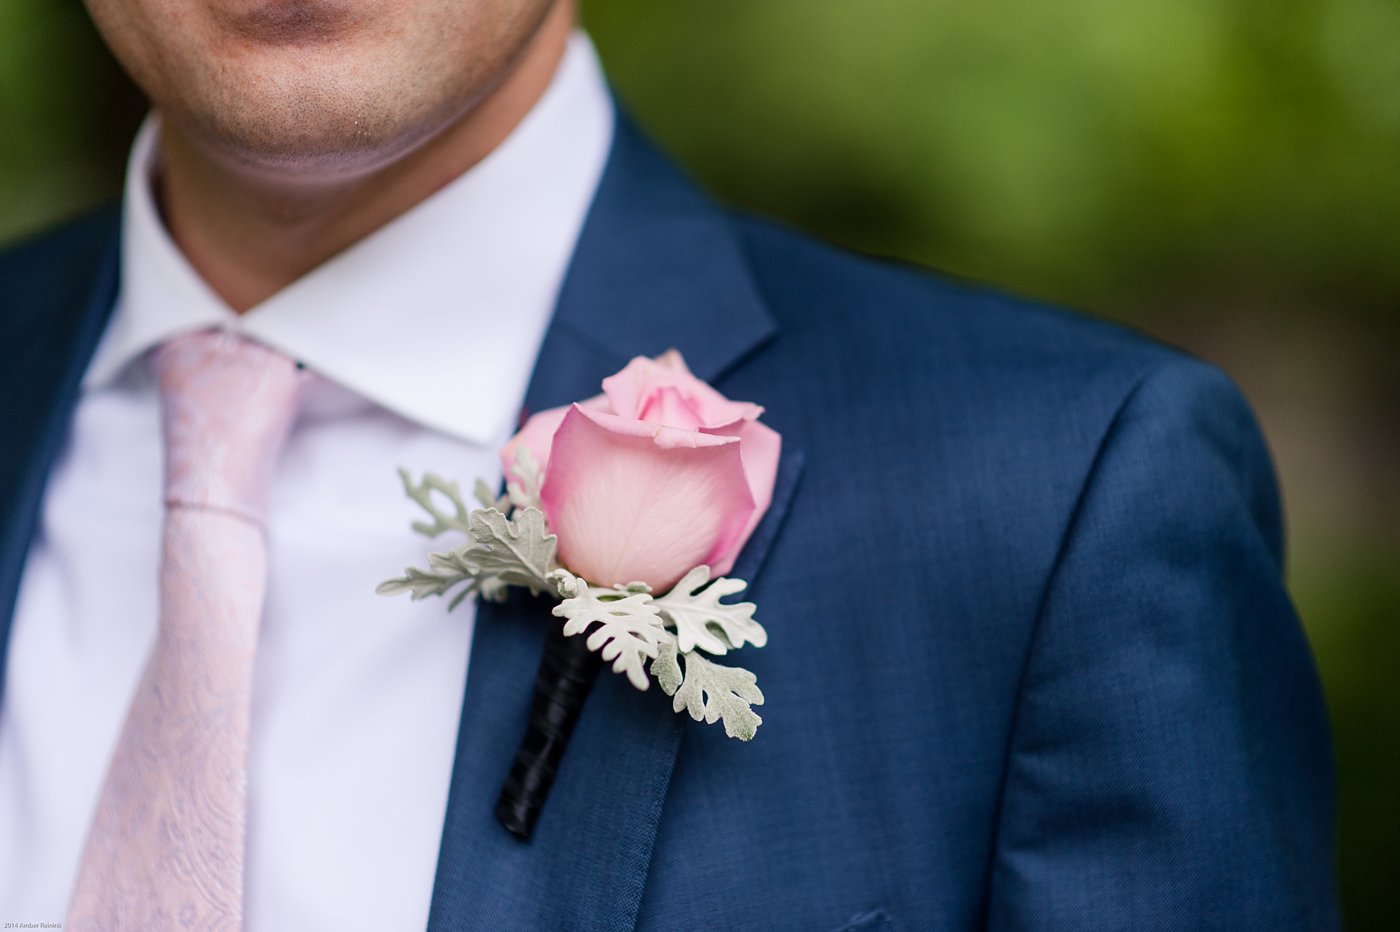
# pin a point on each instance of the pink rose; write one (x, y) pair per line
(657, 475)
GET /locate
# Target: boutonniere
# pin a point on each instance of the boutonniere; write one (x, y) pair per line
(628, 508)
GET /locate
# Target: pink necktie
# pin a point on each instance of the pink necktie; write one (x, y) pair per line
(165, 850)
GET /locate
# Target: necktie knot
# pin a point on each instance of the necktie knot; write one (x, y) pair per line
(228, 405)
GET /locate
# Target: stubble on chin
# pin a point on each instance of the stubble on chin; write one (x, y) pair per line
(325, 121)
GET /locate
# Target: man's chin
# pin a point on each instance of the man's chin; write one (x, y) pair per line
(317, 146)
(298, 138)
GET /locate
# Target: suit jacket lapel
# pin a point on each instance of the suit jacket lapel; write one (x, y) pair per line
(56, 297)
(656, 267)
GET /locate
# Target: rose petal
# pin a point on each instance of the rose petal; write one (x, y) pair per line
(636, 501)
(760, 447)
(538, 435)
(673, 360)
(666, 405)
(633, 389)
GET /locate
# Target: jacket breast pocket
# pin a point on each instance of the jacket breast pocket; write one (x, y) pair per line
(875, 920)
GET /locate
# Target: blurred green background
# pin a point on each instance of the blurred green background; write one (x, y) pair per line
(1224, 175)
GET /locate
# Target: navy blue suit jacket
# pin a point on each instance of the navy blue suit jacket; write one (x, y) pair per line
(1031, 664)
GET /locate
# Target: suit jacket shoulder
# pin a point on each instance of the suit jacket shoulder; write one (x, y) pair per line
(983, 413)
(1012, 599)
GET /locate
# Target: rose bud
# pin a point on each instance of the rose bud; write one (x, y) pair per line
(659, 474)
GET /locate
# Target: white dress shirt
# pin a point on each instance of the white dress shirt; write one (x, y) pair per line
(423, 336)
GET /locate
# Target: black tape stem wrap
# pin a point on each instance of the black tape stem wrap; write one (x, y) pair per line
(567, 671)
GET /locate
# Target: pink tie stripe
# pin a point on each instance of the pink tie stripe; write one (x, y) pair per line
(166, 846)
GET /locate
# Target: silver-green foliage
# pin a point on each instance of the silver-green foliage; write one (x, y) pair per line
(623, 626)
(640, 634)
(708, 691)
(702, 620)
(634, 626)
(501, 550)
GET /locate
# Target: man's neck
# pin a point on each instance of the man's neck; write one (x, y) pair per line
(249, 235)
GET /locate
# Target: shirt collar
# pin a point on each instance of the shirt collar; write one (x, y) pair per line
(437, 315)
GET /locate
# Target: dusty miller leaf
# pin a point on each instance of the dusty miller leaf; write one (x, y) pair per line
(667, 669)
(420, 583)
(422, 493)
(566, 584)
(492, 588)
(488, 499)
(526, 492)
(445, 571)
(500, 553)
(703, 621)
(517, 551)
(710, 692)
(628, 628)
